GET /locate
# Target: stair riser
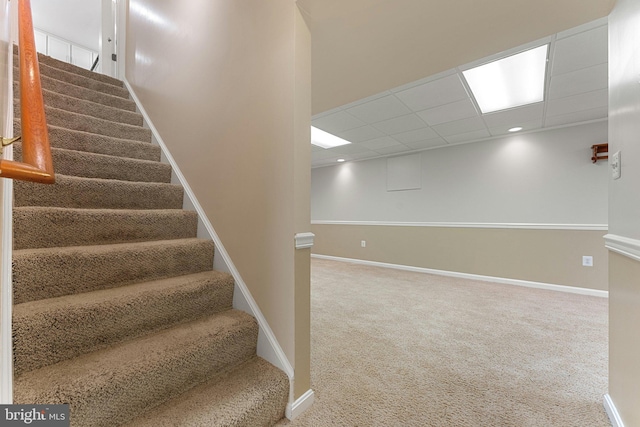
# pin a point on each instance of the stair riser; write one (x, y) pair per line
(78, 80)
(48, 228)
(76, 163)
(90, 193)
(118, 397)
(99, 144)
(80, 92)
(48, 273)
(113, 320)
(82, 106)
(52, 62)
(75, 121)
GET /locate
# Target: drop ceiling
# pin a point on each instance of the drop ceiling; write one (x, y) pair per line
(438, 110)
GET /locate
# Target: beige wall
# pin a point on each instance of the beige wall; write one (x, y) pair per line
(624, 211)
(224, 84)
(547, 256)
(624, 337)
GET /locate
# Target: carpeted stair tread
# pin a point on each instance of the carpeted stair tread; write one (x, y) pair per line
(96, 193)
(253, 394)
(79, 92)
(47, 227)
(69, 139)
(92, 165)
(76, 121)
(52, 62)
(83, 106)
(116, 315)
(82, 81)
(114, 385)
(53, 272)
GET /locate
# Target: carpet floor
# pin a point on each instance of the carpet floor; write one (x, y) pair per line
(397, 348)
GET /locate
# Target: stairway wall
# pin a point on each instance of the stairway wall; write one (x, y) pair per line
(224, 83)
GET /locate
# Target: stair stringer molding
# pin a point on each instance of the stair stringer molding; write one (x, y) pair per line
(268, 347)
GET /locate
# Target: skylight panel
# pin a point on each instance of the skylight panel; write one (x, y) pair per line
(325, 139)
(509, 82)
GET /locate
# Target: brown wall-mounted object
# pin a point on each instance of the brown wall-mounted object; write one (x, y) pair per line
(598, 150)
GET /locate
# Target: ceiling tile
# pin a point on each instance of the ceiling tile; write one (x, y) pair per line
(438, 92)
(469, 136)
(360, 134)
(385, 141)
(449, 112)
(582, 50)
(584, 101)
(580, 81)
(433, 142)
(337, 122)
(395, 149)
(416, 135)
(321, 155)
(365, 100)
(460, 126)
(316, 148)
(514, 116)
(576, 117)
(422, 81)
(381, 109)
(349, 149)
(400, 124)
(526, 126)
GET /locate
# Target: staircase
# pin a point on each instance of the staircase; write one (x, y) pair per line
(117, 310)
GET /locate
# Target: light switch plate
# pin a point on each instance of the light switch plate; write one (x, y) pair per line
(616, 165)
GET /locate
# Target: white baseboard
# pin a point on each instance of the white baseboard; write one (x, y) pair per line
(525, 283)
(268, 346)
(301, 404)
(612, 412)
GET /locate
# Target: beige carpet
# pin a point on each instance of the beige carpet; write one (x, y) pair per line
(395, 348)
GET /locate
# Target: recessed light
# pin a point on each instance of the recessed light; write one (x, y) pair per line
(340, 160)
(515, 129)
(325, 139)
(509, 82)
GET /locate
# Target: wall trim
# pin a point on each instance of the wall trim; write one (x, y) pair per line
(623, 245)
(304, 240)
(300, 405)
(522, 226)
(612, 411)
(272, 351)
(502, 280)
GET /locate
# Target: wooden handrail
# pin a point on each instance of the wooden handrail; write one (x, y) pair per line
(36, 165)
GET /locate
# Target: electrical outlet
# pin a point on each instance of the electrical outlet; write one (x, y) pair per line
(587, 261)
(363, 243)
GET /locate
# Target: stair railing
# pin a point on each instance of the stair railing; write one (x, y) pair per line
(36, 165)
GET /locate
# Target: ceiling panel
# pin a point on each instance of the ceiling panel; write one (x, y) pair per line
(583, 101)
(394, 149)
(349, 149)
(526, 126)
(360, 134)
(400, 124)
(515, 116)
(578, 116)
(337, 122)
(582, 50)
(468, 136)
(429, 95)
(377, 143)
(580, 81)
(460, 126)
(449, 112)
(434, 142)
(384, 108)
(416, 135)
